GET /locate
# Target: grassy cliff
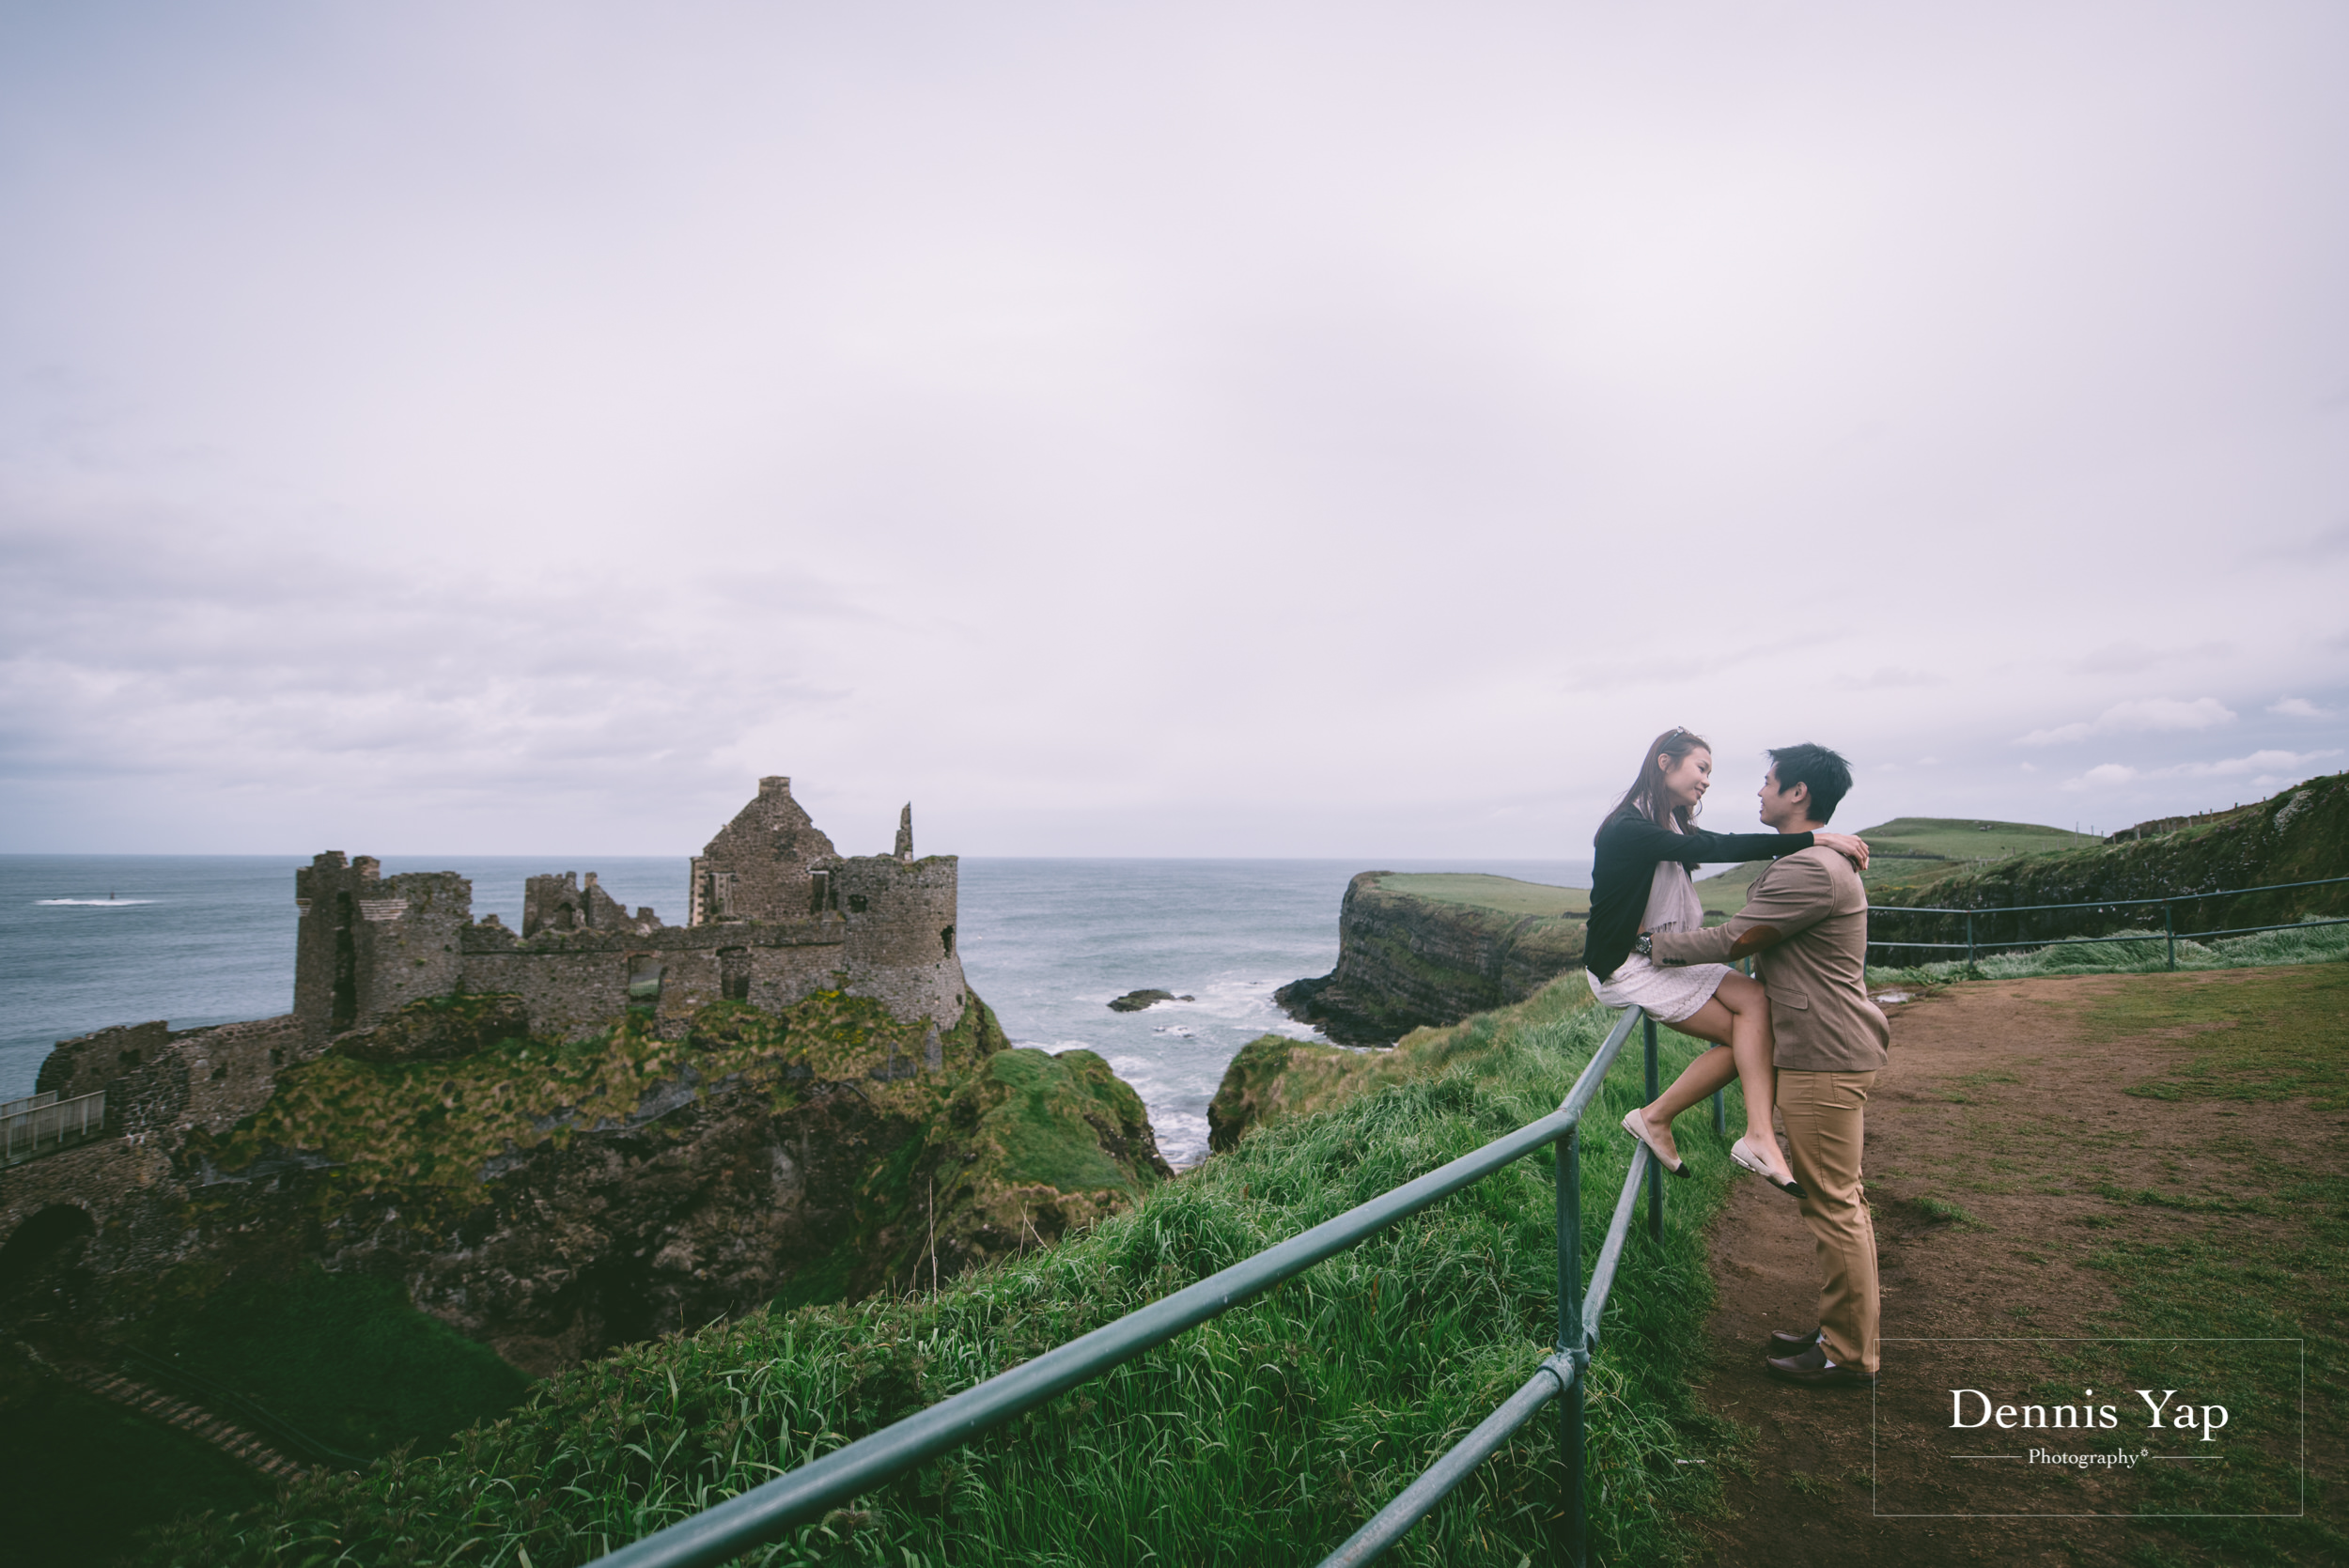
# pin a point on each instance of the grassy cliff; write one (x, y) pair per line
(1422, 949)
(1264, 1437)
(2300, 834)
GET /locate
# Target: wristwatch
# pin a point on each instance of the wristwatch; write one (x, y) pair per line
(1645, 946)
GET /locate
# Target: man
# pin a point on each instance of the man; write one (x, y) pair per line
(1806, 922)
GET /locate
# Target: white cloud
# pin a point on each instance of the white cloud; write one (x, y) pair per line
(2266, 770)
(2150, 713)
(2298, 708)
(2104, 776)
(2270, 763)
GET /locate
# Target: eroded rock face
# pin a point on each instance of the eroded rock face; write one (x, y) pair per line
(582, 1244)
(1405, 962)
(555, 1199)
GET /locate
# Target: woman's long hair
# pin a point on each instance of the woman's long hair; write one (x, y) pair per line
(1646, 794)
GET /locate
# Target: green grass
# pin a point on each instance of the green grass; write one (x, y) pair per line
(1040, 1122)
(2183, 1262)
(345, 1359)
(1907, 849)
(1942, 1212)
(1263, 1437)
(1504, 894)
(2294, 944)
(79, 1476)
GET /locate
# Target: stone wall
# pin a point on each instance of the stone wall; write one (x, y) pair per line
(554, 903)
(367, 944)
(88, 1063)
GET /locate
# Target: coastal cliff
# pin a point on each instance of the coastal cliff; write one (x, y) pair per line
(1424, 950)
(553, 1198)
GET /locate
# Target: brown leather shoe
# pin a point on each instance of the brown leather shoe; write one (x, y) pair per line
(1783, 1343)
(1810, 1371)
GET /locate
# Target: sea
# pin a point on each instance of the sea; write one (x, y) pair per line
(89, 940)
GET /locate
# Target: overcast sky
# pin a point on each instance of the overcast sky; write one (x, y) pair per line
(1179, 429)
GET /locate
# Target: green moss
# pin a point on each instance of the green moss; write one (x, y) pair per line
(345, 1358)
(425, 1129)
(1041, 1124)
(1263, 1437)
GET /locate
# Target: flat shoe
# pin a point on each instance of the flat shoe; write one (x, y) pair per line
(1743, 1154)
(1810, 1369)
(1633, 1124)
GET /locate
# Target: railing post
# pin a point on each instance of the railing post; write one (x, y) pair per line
(1654, 1167)
(1970, 944)
(2170, 929)
(1570, 1339)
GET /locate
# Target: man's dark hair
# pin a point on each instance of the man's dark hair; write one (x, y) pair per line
(1827, 774)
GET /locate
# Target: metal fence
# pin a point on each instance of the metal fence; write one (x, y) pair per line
(2168, 934)
(766, 1510)
(43, 1124)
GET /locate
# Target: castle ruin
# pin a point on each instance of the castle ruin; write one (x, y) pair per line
(775, 913)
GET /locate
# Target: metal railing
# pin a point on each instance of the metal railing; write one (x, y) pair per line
(770, 1508)
(43, 1124)
(2169, 932)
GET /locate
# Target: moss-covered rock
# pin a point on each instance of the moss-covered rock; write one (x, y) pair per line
(553, 1198)
(1274, 1079)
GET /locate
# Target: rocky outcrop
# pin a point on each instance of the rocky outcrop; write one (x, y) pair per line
(1134, 1001)
(1406, 961)
(1273, 1077)
(2298, 835)
(554, 1198)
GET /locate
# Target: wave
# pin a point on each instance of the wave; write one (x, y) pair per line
(97, 903)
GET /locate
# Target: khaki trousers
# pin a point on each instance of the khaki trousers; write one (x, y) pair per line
(1825, 1115)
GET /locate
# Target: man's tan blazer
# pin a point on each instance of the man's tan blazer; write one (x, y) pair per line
(1806, 922)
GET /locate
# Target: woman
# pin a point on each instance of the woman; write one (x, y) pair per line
(1640, 882)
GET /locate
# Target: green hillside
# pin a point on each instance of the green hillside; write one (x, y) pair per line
(1903, 852)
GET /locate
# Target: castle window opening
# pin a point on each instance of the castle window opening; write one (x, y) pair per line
(858, 903)
(820, 888)
(734, 973)
(947, 940)
(643, 980)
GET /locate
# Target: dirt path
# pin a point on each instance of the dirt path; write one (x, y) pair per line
(1998, 1095)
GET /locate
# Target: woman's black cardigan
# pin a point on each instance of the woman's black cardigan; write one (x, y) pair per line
(1629, 848)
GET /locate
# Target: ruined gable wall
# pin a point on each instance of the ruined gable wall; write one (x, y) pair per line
(758, 866)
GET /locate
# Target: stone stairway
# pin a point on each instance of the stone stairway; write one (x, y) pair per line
(234, 1441)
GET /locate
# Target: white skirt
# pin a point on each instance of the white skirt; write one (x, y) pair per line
(1669, 992)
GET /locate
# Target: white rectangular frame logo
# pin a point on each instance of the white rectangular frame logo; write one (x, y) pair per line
(2300, 1411)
